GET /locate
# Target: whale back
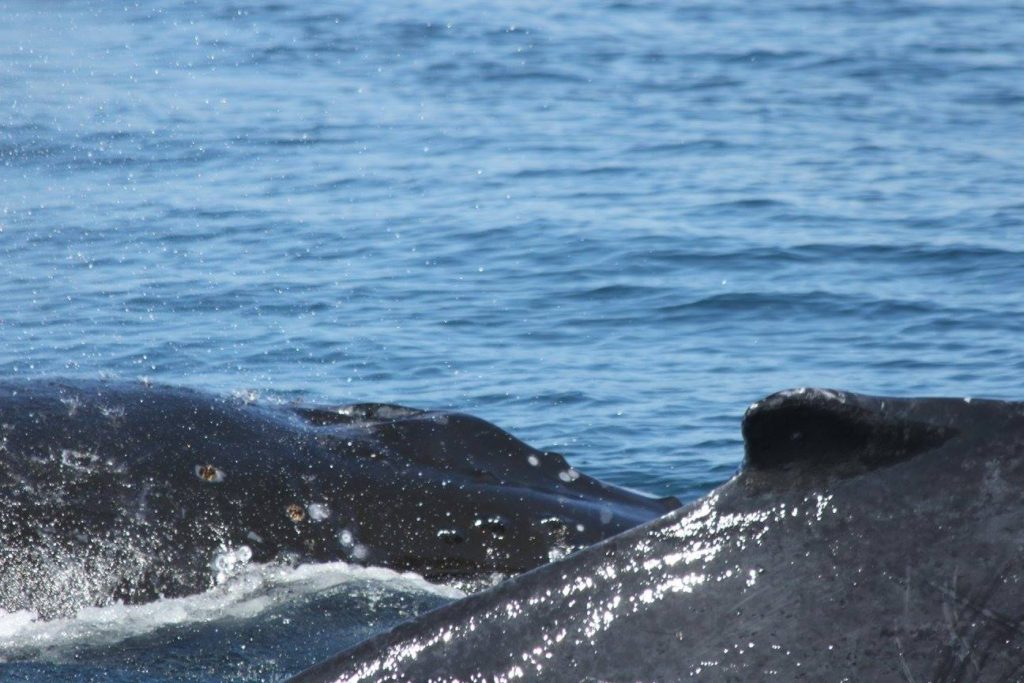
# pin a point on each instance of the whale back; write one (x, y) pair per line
(865, 538)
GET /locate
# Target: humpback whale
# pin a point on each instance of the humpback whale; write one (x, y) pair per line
(864, 539)
(113, 491)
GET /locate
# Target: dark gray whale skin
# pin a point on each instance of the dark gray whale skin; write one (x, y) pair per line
(865, 539)
(126, 491)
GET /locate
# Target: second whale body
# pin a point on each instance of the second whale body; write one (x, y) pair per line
(128, 492)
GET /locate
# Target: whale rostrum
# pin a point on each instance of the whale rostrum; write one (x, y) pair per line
(116, 491)
(865, 539)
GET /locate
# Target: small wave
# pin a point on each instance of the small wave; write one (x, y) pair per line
(683, 147)
(572, 172)
(509, 75)
(252, 591)
(749, 203)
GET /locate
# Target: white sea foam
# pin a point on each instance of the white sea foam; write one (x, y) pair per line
(251, 591)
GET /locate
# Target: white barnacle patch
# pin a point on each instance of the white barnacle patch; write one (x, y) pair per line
(254, 537)
(360, 552)
(533, 460)
(346, 538)
(821, 394)
(210, 473)
(829, 395)
(318, 512)
(569, 475)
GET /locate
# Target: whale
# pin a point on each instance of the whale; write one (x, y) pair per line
(114, 491)
(863, 539)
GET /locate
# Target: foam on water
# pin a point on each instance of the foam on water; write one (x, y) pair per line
(250, 591)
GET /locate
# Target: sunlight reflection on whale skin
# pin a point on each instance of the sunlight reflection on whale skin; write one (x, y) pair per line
(657, 569)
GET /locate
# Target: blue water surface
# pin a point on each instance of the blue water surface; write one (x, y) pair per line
(605, 226)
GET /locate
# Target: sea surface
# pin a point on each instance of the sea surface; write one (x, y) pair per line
(605, 226)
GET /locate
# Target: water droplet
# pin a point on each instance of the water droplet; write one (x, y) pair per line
(495, 525)
(451, 536)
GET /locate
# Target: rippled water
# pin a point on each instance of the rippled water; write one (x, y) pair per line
(607, 227)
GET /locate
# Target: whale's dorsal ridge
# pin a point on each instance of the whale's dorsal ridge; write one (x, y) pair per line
(826, 428)
(325, 416)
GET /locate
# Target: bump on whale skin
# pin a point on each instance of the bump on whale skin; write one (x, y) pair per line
(834, 430)
(129, 491)
(865, 539)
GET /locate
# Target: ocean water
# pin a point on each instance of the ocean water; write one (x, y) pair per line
(605, 226)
